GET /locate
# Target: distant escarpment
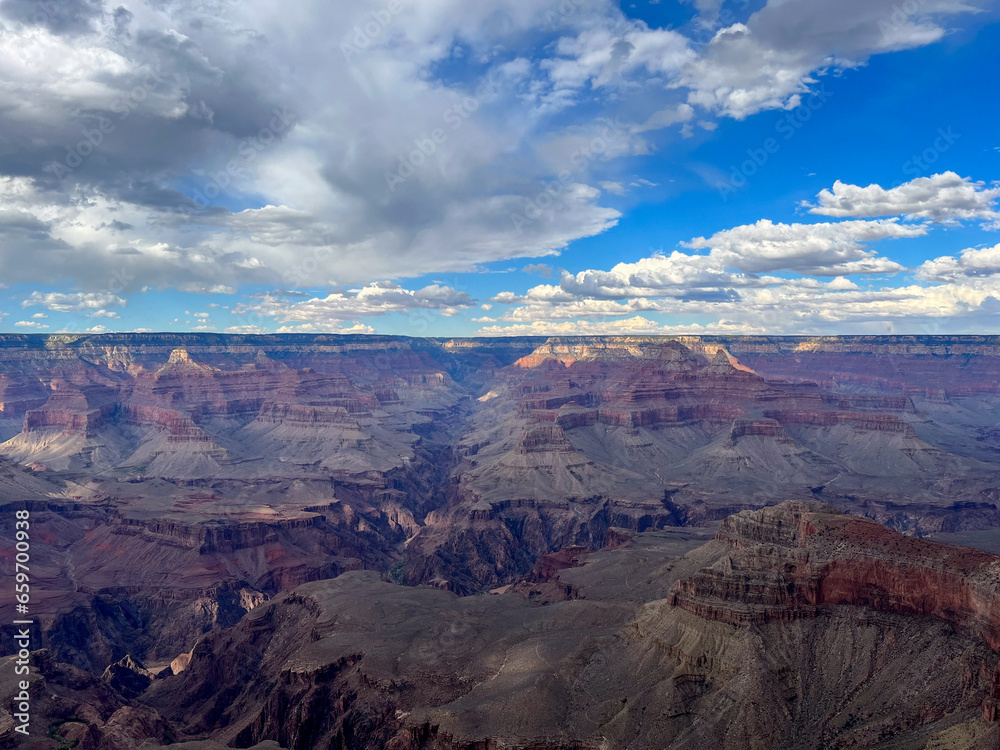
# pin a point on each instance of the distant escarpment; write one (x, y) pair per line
(786, 562)
(793, 561)
(585, 434)
(179, 481)
(841, 640)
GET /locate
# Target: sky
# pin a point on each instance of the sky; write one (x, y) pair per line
(510, 167)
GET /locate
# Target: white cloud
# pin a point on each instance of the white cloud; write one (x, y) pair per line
(173, 93)
(739, 75)
(371, 300)
(30, 324)
(945, 197)
(356, 328)
(675, 274)
(200, 288)
(246, 330)
(971, 264)
(726, 285)
(212, 97)
(631, 326)
(826, 249)
(774, 59)
(833, 308)
(600, 56)
(708, 11)
(74, 301)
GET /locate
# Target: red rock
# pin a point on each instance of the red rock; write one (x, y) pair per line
(789, 561)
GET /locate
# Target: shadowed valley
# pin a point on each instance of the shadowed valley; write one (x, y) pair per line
(245, 539)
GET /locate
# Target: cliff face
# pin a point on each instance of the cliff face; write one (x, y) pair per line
(647, 433)
(632, 647)
(179, 480)
(930, 366)
(786, 562)
(795, 628)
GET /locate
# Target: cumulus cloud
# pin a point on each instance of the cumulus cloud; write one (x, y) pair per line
(674, 274)
(732, 284)
(775, 58)
(247, 330)
(833, 308)
(736, 282)
(330, 312)
(553, 303)
(708, 11)
(944, 197)
(970, 264)
(131, 134)
(209, 147)
(826, 249)
(601, 56)
(75, 302)
(632, 326)
(737, 257)
(356, 328)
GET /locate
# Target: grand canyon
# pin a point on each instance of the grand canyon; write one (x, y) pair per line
(587, 543)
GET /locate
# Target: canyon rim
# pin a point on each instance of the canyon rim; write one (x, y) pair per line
(358, 541)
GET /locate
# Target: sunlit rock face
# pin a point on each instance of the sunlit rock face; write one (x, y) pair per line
(180, 481)
(582, 435)
(796, 627)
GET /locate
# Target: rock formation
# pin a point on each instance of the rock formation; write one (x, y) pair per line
(178, 482)
(722, 647)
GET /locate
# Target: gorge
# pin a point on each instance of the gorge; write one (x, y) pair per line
(321, 519)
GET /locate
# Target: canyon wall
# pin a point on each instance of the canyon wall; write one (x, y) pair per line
(179, 480)
(840, 643)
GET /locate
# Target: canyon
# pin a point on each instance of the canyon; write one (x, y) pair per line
(233, 533)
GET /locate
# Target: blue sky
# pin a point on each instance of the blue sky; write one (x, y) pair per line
(550, 167)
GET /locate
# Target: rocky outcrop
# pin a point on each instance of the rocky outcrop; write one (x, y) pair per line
(788, 562)
(623, 422)
(585, 653)
(71, 708)
(182, 479)
(128, 677)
